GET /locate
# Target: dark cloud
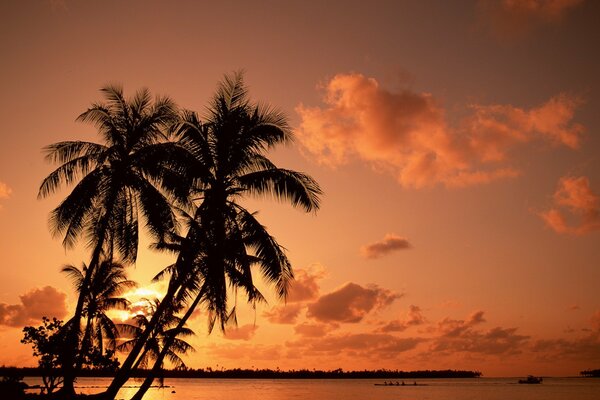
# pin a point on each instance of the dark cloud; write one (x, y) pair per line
(364, 345)
(385, 246)
(414, 317)
(35, 304)
(456, 336)
(350, 303)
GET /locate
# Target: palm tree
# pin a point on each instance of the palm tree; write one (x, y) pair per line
(114, 183)
(154, 345)
(106, 284)
(225, 240)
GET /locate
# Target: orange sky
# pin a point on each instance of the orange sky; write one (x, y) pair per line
(457, 143)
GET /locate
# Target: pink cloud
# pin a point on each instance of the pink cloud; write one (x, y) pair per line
(383, 247)
(35, 304)
(244, 332)
(284, 314)
(305, 285)
(414, 317)
(576, 208)
(304, 288)
(407, 134)
(513, 19)
(350, 303)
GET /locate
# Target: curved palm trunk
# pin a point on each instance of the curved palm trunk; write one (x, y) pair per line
(132, 360)
(161, 357)
(72, 341)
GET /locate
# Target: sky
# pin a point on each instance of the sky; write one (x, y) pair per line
(457, 144)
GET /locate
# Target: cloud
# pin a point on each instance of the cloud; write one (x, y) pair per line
(314, 330)
(305, 284)
(35, 304)
(244, 332)
(304, 288)
(514, 19)
(245, 351)
(576, 208)
(361, 345)
(406, 134)
(5, 192)
(284, 314)
(463, 336)
(350, 303)
(414, 317)
(383, 247)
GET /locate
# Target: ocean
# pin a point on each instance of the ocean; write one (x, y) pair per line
(355, 389)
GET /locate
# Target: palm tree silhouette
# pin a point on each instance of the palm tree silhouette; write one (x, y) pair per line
(225, 240)
(114, 183)
(106, 284)
(155, 343)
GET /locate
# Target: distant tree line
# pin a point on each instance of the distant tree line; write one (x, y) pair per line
(591, 372)
(238, 373)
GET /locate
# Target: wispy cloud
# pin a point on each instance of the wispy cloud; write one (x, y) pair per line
(35, 304)
(407, 133)
(575, 209)
(388, 244)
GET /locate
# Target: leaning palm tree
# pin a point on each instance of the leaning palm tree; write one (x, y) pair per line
(225, 240)
(103, 293)
(115, 183)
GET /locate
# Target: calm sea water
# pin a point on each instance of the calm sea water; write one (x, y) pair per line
(357, 389)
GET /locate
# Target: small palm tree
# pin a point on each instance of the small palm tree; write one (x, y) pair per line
(116, 183)
(154, 345)
(106, 284)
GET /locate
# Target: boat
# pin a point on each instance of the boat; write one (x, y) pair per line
(531, 380)
(400, 384)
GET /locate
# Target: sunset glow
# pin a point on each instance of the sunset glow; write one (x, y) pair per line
(457, 144)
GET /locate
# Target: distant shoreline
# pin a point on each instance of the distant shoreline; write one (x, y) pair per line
(239, 373)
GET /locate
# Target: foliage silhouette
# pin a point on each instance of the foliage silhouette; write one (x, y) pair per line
(224, 240)
(113, 182)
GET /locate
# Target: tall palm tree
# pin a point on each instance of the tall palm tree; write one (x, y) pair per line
(224, 239)
(115, 183)
(106, 284)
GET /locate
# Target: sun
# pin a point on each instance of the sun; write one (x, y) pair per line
(140, 300)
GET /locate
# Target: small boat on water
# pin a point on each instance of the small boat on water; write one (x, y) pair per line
(531, 380)
(399, 384)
